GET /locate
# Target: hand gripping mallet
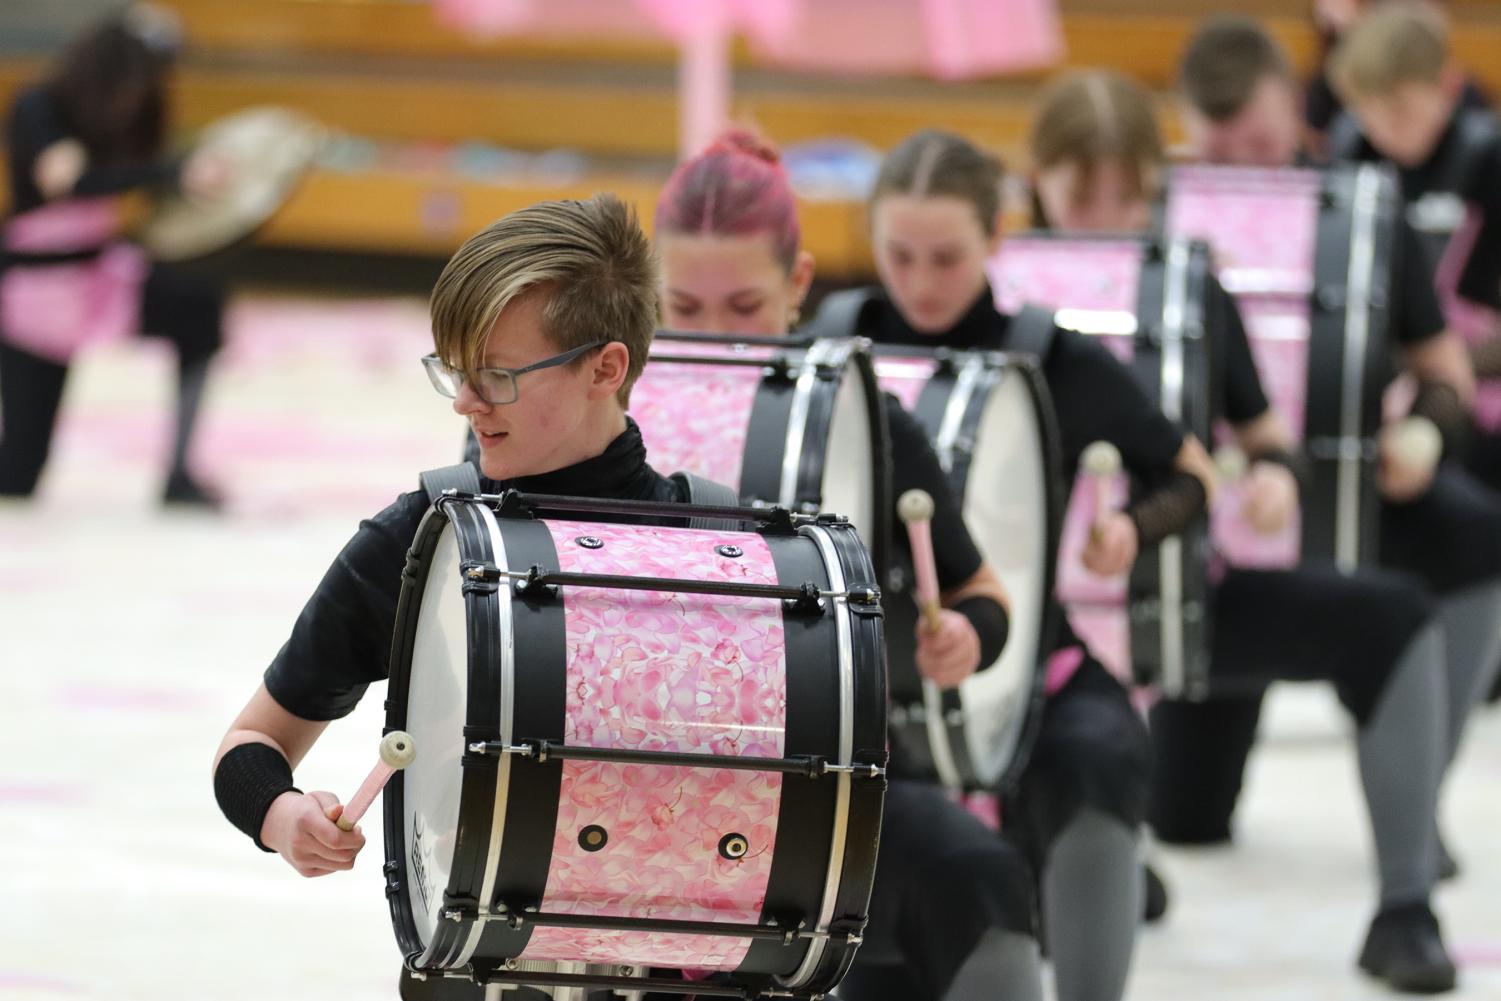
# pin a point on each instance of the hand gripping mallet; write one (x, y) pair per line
(396, 752)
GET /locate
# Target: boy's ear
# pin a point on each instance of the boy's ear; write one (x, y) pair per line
(1452, 80)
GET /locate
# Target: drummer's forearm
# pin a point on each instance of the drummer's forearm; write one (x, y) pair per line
(263, 720)
(1443, 360)
(1266, 434)
(129, 177)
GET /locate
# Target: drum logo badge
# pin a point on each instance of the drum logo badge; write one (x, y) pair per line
(419, 868)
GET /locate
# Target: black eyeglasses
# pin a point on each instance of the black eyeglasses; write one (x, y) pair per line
(496, 386)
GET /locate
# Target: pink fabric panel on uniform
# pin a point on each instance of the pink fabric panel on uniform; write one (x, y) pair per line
(57, 309)
(1061, 668)
(695, 418)
(1106, 633)
(905, 378)
(1471, 320)
(662, 671)
(1066, 274)
(1261, 224)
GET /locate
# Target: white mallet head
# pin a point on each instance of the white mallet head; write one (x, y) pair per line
(1231, 462)
(397, 749)
(1101, 459)
(1417, 443)
(914, 506)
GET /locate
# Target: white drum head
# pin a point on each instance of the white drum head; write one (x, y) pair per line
(1005, 508)
(849, 463)
(436, 707)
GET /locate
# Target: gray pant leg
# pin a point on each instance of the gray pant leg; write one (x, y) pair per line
(1401, 749)
(1005, 966)
(1092, 890)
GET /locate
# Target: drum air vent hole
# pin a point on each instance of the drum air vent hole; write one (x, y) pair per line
(730, 552)
(733, 846)
(593, 838)
(590, 542)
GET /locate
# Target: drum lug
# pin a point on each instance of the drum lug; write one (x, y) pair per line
(532, 587)
(1330, 298)
(480, 578)
(779, 369)
(808, 602)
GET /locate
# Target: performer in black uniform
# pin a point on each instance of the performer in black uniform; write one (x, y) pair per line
(568, 289)
(92, 130)
(1407, 105)
(1099, 164)
(951, 912)
(935, 221)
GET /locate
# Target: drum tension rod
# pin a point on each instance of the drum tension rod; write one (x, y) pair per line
(656, 985)
(771, 931)
(809, 766)
(538, 583)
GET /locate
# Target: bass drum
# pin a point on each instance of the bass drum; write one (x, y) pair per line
(1148, 301)
(1307, 255)
(992, 425)
(641, 747)
(792, 422)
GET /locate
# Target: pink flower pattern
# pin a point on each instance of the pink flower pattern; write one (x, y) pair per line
(1259, 223)
(674, 672)
(695, 418)
(1066, 274)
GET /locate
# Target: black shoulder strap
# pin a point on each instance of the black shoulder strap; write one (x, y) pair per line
(1344, 138)
(463, 477)
(1032, 332)
(702, 490)
(839, 313)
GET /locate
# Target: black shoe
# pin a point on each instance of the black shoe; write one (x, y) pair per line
(184, 490)
(1155, 904)
(1405, 948)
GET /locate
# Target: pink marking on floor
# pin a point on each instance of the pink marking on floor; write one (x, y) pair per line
(121, 699)
(1477, 953)
(19, 980)
(41, 795)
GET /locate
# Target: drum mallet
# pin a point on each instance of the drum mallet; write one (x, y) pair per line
(1101, 461)
(396, 752)
(1230, 462)
(916, 510)
(1417, 443)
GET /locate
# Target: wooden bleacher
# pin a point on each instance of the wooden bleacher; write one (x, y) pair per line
(384, 70)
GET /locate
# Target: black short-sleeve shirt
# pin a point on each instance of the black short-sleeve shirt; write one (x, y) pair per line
(341, 641)
(1465, 163)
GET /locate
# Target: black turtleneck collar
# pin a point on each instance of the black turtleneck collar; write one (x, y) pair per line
(981, 327)
(620, 472)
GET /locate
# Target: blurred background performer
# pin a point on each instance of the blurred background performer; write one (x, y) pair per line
(92, 130)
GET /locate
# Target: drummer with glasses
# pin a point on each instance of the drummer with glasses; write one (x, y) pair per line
(516, 318)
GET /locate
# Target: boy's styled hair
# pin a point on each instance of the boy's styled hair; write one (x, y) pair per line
(1224, 61)
(590, 258)
(1394, 44)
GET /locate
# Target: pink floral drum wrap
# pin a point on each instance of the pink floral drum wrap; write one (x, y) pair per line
(55, 310)
(662, 671)
(693, 417)
(1081, 277)
(1263, 228)
(1472, 320)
